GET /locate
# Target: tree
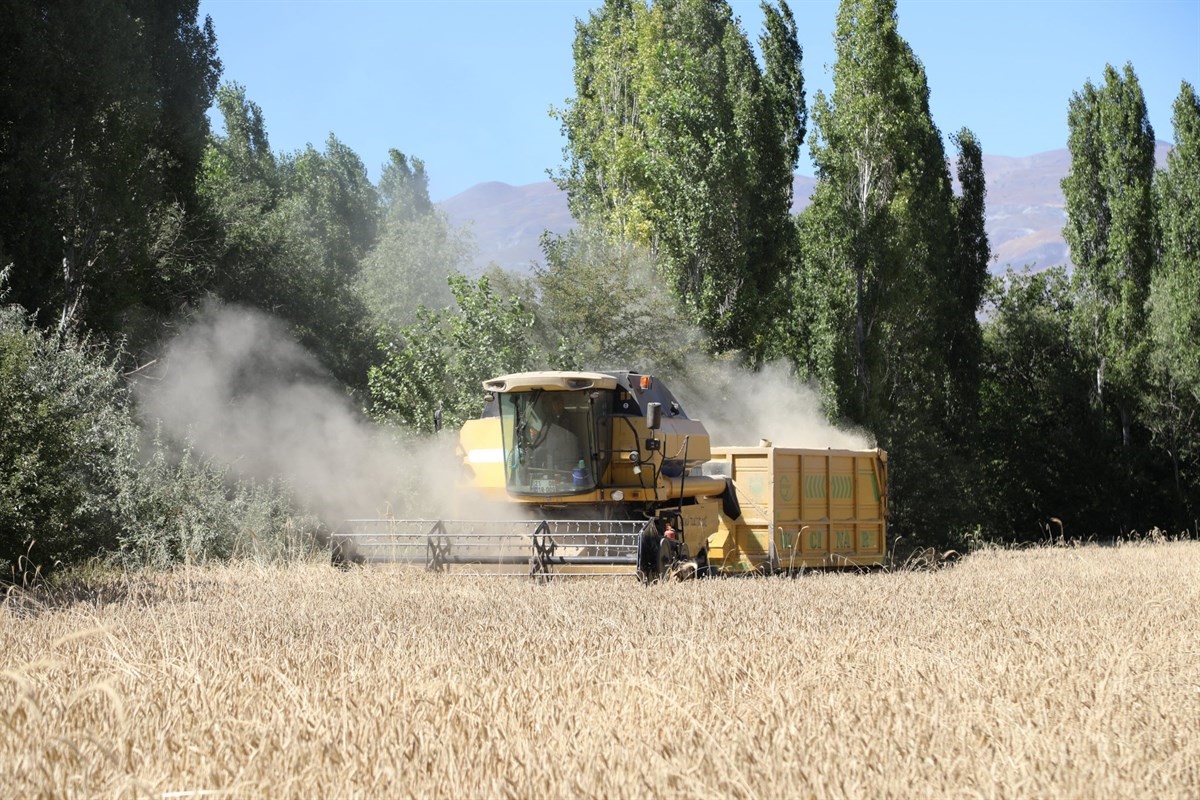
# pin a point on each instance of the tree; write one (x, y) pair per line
(417, 249)
(434, 370)
(241, 184)
(679, 142)
(892, 268)
(294, 230)
(1043, 450)
(1112, 233)
(602, 306)
(64, 425)
(1172, 399)
(329, 212)
(1175, 297)
(879, 227)
(330, 202)
(404, 187)
(966, 282)
(102, 126)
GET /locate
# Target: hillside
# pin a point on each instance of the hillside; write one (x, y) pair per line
(1024, 212)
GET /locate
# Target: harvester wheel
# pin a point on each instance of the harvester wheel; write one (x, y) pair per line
(665, 556)
(342, 555)
(647, 557)
(656, 556)
(668, 558)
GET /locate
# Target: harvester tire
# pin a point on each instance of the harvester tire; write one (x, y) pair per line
(342, 555)
(657, 555)
(647, 557)
(665, 557)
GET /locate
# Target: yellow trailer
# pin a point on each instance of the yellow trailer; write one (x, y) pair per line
(801, 508)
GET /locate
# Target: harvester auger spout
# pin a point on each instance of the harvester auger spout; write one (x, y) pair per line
(543, 548)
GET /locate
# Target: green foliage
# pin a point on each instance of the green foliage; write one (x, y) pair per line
(966, 281)
(331, 205)
(1113, 236)
(1172, 399)
(1042, 448)
(73, 483)
(295, 231)
(404, 187)
(63, 425)
(241, 184)
(1175, 301)
(680, 142)
(182, 508)
(892, 269)
(1111, 229)
(876, 239)
(417, 249)
(602, 305)
(329, 211)
(436, 367)
(102, 123)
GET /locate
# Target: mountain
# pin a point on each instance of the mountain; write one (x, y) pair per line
(1024, 213)
(507, 221)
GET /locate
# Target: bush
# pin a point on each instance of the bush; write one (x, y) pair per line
(75, 484)
(64, 421)
(182, 508)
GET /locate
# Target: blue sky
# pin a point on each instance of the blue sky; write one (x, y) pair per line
(466, 85)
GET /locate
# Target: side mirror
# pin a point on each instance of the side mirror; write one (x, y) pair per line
(654, 416)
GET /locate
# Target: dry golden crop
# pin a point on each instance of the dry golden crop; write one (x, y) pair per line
(1038, 673)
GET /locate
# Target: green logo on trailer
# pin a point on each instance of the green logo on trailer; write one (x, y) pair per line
(786, 492)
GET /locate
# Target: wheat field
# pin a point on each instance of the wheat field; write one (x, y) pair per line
(1052, 672)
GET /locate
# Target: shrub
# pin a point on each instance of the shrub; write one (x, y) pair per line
(180, 507)
(75, 484)
(64, 419)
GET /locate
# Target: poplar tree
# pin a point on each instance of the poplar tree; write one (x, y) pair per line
(1173, 398)
(1112, 234)
(417, 249)
(893, 268)
(879, 238)
(967, 281)
(1175, 307)
(679, 141)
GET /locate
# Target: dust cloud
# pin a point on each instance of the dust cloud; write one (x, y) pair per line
(241, 390)
(740, 407)
(237, 387)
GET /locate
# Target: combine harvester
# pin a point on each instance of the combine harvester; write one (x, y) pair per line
(602, 473)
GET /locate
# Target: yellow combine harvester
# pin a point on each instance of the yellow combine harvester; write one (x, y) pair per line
(604, 473)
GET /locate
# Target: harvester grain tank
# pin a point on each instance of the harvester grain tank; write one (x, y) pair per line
(604, 473)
